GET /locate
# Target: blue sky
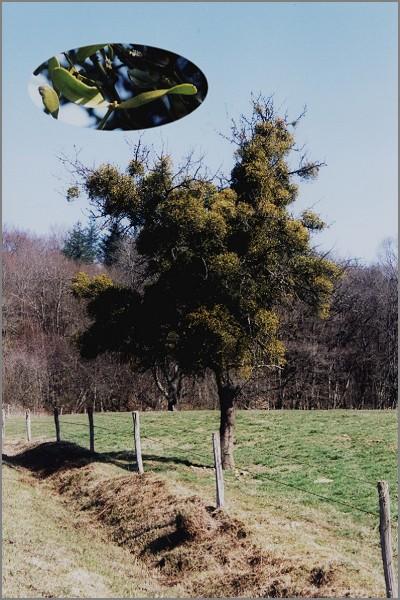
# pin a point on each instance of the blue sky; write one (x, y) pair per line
(340, 59)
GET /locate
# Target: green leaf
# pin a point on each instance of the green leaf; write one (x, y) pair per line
(76, 91)
(52, 64)
(86, 51)
(50, 100)
(186, 89)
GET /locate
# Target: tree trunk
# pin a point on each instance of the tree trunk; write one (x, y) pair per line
(172, 388)
(227, 394)
(172, 395)
(171, 404)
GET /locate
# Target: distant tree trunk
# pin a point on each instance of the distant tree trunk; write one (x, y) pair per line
(227, 395)
(172, 398)
(171, 388)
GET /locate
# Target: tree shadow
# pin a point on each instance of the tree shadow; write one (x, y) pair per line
(118, 457)
(47, 458)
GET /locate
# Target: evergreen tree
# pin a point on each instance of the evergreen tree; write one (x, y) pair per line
(81, 243)
(110, 245)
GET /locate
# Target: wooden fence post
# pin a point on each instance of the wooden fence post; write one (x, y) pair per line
(28, 425)
(8, 410)
(386, 537)
(3, 424)
(138, 446)
(219, 478)
(57, 424)
(91, 427)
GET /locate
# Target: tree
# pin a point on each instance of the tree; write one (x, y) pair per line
(81, 243)
(221, 261)
(110, 245)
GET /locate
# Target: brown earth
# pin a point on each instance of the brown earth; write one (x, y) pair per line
(179, 538)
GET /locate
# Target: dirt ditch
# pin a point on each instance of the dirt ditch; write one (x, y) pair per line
(181, 539)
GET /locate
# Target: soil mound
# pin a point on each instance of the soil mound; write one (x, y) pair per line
(184, 540)
(180, 538)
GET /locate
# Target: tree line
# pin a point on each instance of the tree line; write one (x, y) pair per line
(346, 361)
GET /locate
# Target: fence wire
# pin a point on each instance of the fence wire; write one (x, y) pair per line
(257, 477)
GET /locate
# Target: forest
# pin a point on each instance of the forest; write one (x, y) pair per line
(348, 360)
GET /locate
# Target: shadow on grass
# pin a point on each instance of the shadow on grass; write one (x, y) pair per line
(48, 458)
(117, 458)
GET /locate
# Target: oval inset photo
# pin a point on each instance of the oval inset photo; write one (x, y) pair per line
(118, 87)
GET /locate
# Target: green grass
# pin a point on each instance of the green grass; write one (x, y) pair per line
(305, 481)
(339, 454)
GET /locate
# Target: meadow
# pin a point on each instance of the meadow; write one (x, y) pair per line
(304, 482)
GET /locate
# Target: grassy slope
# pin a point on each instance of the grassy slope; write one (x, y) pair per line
(345, 453)
(47, 552)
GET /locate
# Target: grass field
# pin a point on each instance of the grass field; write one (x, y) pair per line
(305, 482)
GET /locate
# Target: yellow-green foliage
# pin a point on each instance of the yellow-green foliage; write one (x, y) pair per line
(275, 350)
(312, 221)
(244, 212)
(191, 219)
(318, 276)
(297, 235)
(323, 286)
(225, 264)
(116, 191)
(221, 261)
(261, 171)
(224, 203)
(267, 330)
(84, 286)
(267, 322)
(219, 331)
(217, 321)
(72, 193)
(135, 168)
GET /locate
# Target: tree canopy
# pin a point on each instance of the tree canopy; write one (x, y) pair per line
(221, 260)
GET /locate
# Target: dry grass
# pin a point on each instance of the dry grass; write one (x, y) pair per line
(188, 547)
(50, 550)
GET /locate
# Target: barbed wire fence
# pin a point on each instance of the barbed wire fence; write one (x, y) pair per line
(212, 461)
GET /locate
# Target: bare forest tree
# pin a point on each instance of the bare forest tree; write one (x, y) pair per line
(41, 319)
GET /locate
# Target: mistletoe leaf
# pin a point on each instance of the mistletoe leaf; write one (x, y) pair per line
(86, 51)
(186, 89)
(52, 64)
(141, 99)
(76, 91)
(50, 100)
